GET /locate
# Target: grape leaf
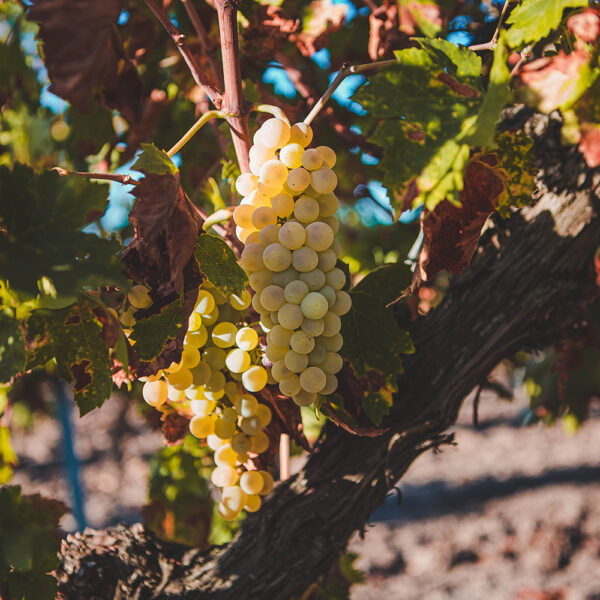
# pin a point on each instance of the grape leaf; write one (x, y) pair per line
(153, 160)
(84, 54)
(419, 14)
(12, 347)
(533, 20)
(220, 265)
(41, 217)
(72, 337)
(151, 334)
(376, 406)
(372, 337)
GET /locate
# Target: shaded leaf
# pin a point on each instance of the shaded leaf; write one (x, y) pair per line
(12, 347)
(376, 406)
(151, 334)
(84, 54)
(72, 336)
(533, 20)
(220, 265)
(153, 160)
(41, 217)
(372, 337)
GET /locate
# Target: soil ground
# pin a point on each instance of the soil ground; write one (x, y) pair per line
(508, 513)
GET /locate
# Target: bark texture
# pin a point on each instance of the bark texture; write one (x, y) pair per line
(526, 288)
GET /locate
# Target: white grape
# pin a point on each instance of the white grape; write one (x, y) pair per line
(275, 133)
(246, 339)
(248, 405)
(301, 133)
(259, 280)
(332, 364)
(292, 235)
(333, 343)
(332, 324)
(252, 258)
(276, 257)
(254, 379)
(306, 209)
(319, 236)
(280, 335)
(312, 380)
(328, 205)
(302, 342)
(328, 155)
(260, 154)
(243, 234)
(273, 173)
(331, 221)
(295, 291)
(314, 327)
(314, 306)
(317, 356)
(295, 361)
(284, 277)
(269, 234)
(223, 335)
(312, 159)
(246, 183)
(304, 259)
(238, 360)
(342, 304)
(264, 216)
(291, 155)
(298, 180)
(336, 278)
(272, 298)
(283, 205)
(241, 302)
(314, 279)
(323, 180)
(279, 370)
(304, 398)
(330, 385)
(330, 295)
(290, 385)
(155, 392)
(275, 353)
(327, 260)
(251, 482)
(290, 316)
(258, 199)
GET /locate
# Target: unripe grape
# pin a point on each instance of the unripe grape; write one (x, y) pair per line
(252, 258)
(301, 342)
(291, 155)
(202, 427)
(328, 155)
(314, 279)
(275, 133)
(246, 183)
(327, 261)
(280, 336)
(317, 356)
(242, 215)
(225, 456)
(333, 343)
(238, 360)
(336, 278)
(224, 429)
(181, 379)
(284, 277)
(330, 385)
(223, 335)
(290, 385)
(328, 205)
(241, 443)
(139, 297)
(304, 398)
(253, 503)
(260, 443)
(331, 221)
(241, 302)
(333, 363)
(314, 327)
(251, 482)
(306, 209)
(269, 234)
(264, 216)
(330, 295)
(254, 379)
(332, 323)
(279, 370)
(319, 236)
(250, 425)
(290, 316)
(197, 338)
(292, 235)
(312, 159)
(259, 280)
(314, 306)
(231, 389)
(295, 291)
(246, 338)
(214, 357)
(272, 298)
(342, 304)
(295, 362)
(264, 414)
(229, 414)
(298, 180)
(283, 205)
(155, 392)
(190, 357)
(127, 319)
(301, 133)
(323, 180)
(276, 258)
(248, 405)
(312, 380)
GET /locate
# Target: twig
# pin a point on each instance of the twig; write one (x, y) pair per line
(525, 53)
(284, 457)
(345, 70)
(207, 47)
(124, 179)
(233, 98)
(212, 92)
(211, 114)
(476, 406)
(491, 45)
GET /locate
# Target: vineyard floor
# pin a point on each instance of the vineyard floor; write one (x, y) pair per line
(508, 513)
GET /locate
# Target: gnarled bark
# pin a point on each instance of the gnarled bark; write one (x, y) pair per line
(526, 288)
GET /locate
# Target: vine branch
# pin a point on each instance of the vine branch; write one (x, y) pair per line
(124, 179)
(200, 78)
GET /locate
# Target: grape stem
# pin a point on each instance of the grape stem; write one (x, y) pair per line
(276, 111)
(189, 134)
(344, 71)
(216, 97)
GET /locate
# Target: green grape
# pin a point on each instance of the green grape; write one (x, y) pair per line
(313, 379)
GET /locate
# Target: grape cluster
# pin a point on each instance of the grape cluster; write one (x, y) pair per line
(286, 221)
(217, 370)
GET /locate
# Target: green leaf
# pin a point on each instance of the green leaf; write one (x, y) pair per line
(8, 458)
(151, 334)
(533, 20)
(18, 553)
(41, 217)
(372, 337)
(12, 347)
(496, 98)
(425, 110)
(375, 407)
(153, 160)
(32, 586)
(220, 265)
(72, 337)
